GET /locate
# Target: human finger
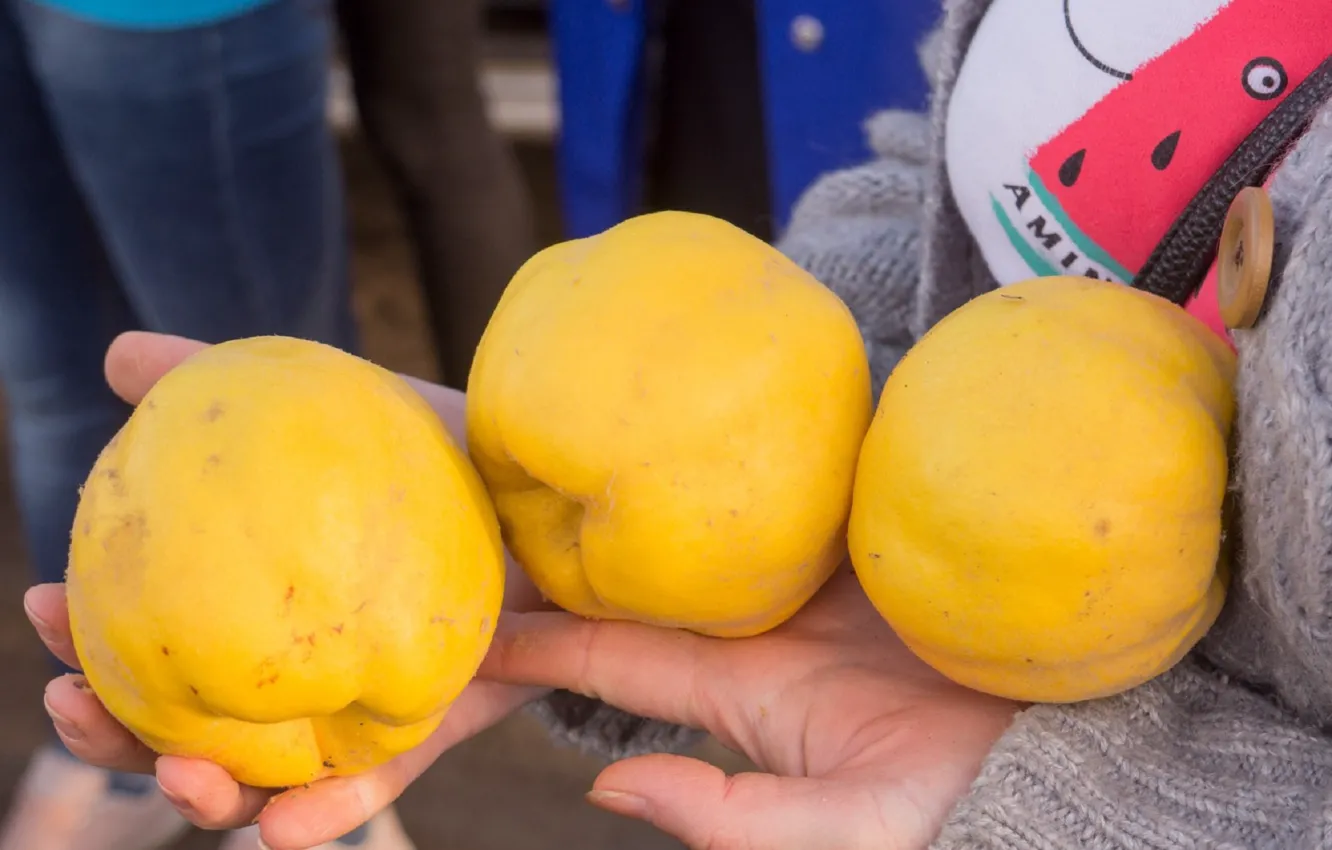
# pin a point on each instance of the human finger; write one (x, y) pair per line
(206, 795)
(44, 604)
(308, 817)
(449, 405)
(645, 670)
(136, 360)
(89, 731)
(705, 809)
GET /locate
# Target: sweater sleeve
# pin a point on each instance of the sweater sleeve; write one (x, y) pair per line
(602, 730)
(1190, 760)
(858, 232)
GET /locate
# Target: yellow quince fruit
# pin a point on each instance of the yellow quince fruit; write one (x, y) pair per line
(667, 416)
(283, 564)
(1038, 505)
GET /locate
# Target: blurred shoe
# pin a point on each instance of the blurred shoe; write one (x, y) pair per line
(63, 804)
(382, 832)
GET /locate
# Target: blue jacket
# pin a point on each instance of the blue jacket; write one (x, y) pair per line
(855, 58)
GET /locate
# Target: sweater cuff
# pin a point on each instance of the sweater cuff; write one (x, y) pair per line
(607, 732)
(1189, 760)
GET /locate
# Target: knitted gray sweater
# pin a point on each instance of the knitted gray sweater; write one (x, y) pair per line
(1225, 750)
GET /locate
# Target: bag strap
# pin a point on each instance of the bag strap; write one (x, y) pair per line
(1179, 263)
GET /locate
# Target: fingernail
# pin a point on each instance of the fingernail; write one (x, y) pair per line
(262, 845)
(181, 804)
(44, 629)
(616, 802)
(369, 805)
(62, 724)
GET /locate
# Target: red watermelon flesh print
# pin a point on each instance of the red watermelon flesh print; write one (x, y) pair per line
(1118, 177)
(1206, 306)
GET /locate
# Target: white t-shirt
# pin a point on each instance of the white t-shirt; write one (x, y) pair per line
(1080, 129)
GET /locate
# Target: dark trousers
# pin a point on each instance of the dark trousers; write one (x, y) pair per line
(706, 146)
(415, 65)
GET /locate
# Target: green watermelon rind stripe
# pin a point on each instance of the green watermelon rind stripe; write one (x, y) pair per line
(1089, 248)
(1039, 265)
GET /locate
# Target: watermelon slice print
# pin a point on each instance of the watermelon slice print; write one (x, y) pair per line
(1105, 190)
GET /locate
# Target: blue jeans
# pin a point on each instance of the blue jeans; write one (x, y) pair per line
(178, 181)
(181, 181)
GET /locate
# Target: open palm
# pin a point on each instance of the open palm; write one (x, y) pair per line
(863, 746)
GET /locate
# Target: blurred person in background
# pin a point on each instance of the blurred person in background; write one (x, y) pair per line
(167, 166)
(731, 108)
(415, 71)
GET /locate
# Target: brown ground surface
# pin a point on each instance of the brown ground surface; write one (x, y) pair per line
(508, 789)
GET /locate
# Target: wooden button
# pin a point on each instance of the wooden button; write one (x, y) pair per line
(1248, 240)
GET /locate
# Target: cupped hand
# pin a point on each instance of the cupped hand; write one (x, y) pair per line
(861, 745)
(205, 794)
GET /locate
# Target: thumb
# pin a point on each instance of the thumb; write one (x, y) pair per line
(701, 806)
